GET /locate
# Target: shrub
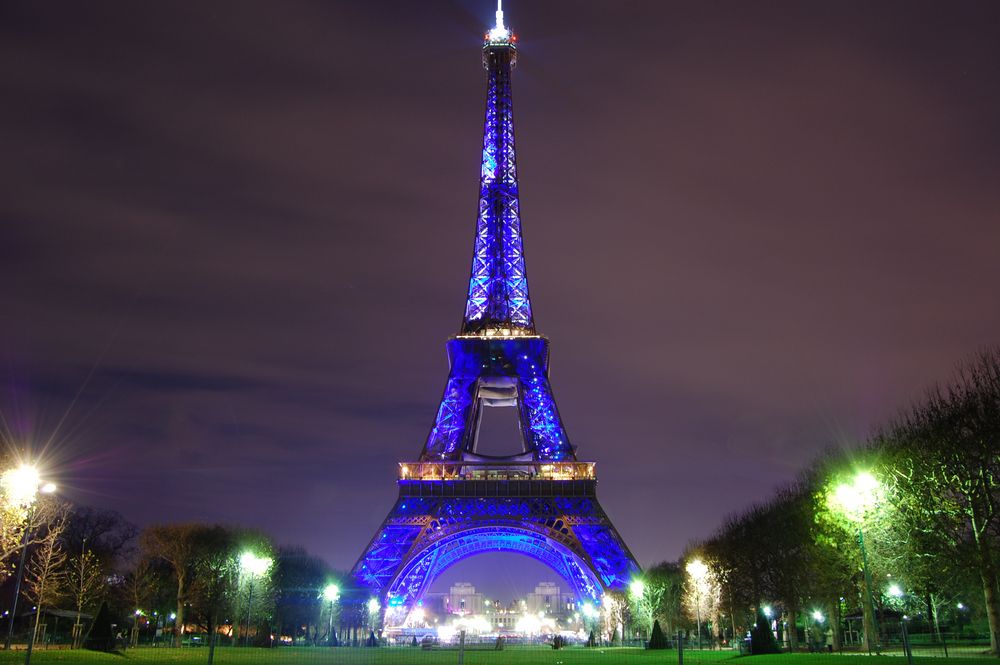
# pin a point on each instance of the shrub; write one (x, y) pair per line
(657, 640)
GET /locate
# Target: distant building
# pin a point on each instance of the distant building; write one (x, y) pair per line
(550, 599)
(503, 617)
(463, 600)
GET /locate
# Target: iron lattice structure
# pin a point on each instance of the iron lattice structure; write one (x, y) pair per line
(454, 502)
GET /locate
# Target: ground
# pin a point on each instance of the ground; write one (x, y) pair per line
(408, 656)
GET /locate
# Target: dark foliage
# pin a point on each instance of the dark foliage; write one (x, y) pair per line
(761, 638)
(657, 640)
(101, 636)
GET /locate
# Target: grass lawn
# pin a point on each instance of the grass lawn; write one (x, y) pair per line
(408, 656)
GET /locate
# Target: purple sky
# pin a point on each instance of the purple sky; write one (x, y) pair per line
(236, 236)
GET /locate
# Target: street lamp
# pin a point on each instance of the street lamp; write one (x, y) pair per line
(21, 486)
(331, 593)
(253, 566)
(697, 569)
(854, 500)
(638, 591)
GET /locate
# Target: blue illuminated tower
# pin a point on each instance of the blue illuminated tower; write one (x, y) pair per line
(455, 502)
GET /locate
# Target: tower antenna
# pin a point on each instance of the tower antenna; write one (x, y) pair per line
(499, 33)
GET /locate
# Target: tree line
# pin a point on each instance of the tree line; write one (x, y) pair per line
(168, 582)
(904, 527)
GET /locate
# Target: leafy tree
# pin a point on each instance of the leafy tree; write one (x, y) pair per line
(665, 590)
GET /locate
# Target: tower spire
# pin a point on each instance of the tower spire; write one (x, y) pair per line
(499, 29)
(498, 303)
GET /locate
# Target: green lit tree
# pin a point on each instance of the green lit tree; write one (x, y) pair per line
(947, 473)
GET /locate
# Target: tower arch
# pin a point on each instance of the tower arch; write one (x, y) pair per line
(417, 574)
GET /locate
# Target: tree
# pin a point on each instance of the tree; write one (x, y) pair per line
(657, 640)
(45, 575)
(138, 587)
(177, 546)
(616, 614)
(215, 578)
(701, 592)
(299, 581)
(254, 595)
(104, 533)
(947, 472)
(20, 517)
(665, 590)
(761, 637)
(85, 586)
(101, 636)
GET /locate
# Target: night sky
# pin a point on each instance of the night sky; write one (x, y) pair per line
(235, 237)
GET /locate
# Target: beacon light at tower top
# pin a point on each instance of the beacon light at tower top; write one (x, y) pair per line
(500, 33)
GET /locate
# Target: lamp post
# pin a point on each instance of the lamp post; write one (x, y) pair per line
(331, 593)
(21, 486)
(253, 566)
(697, 569)
(853, 500)
(638, 591)
(591, 616)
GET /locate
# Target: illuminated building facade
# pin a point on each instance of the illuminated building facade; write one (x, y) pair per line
(455, 502)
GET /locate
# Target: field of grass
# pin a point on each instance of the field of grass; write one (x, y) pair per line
(408, 656)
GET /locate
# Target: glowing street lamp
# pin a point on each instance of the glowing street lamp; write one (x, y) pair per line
(253, 566)
(638, 590)
(697, 569)
(854, 501)
(21, 486)
(331, 593)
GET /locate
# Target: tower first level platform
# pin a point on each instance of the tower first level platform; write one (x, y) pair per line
(449, 511)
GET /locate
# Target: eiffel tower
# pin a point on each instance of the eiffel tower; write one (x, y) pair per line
(455, 502)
